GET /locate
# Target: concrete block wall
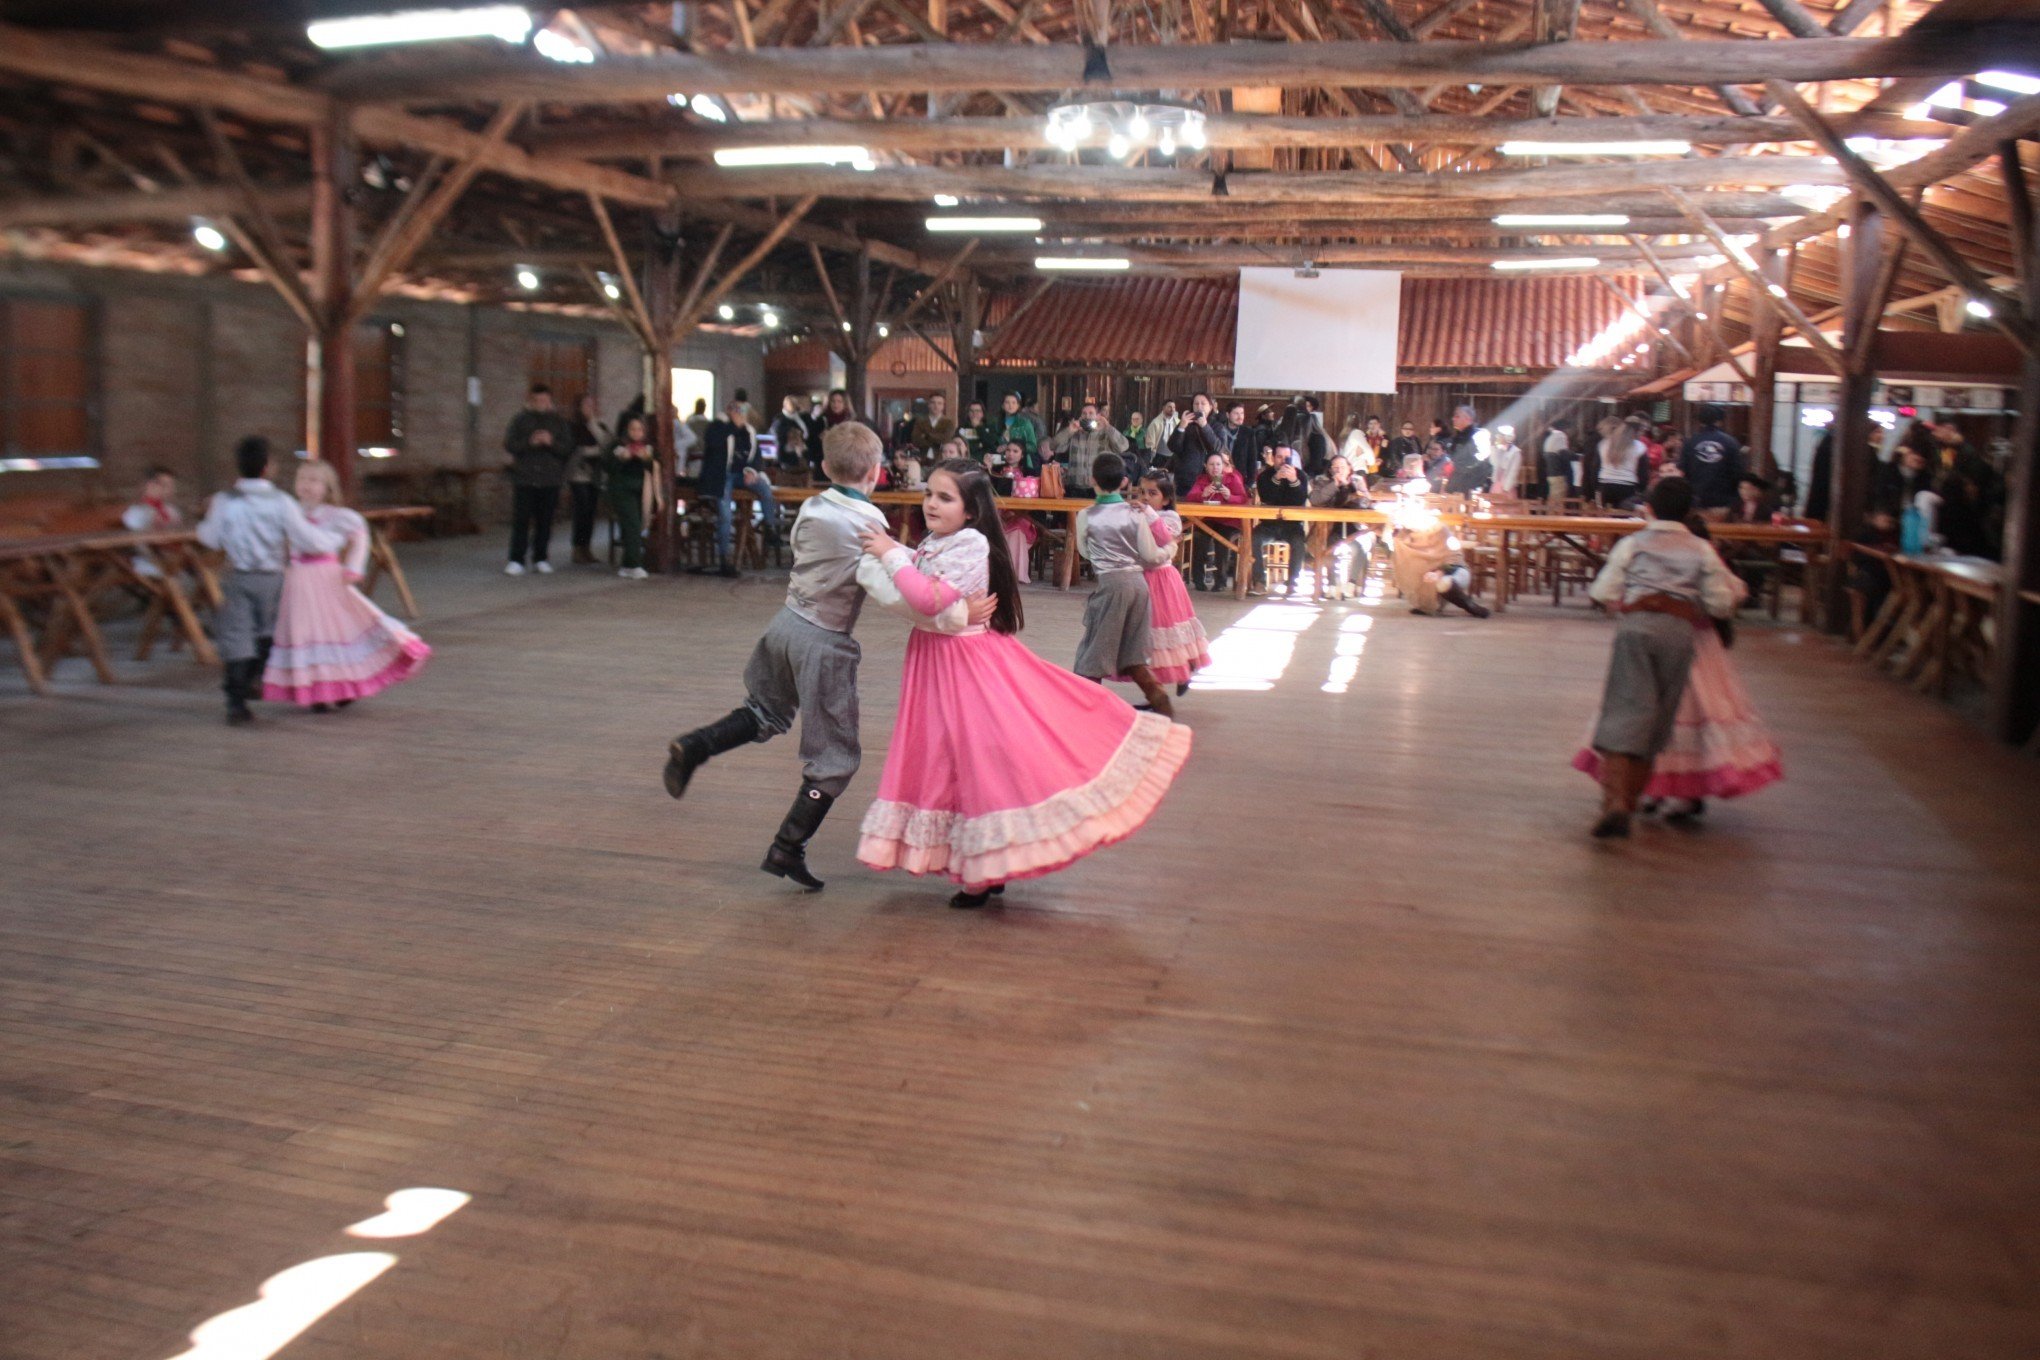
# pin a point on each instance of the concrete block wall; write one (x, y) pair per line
(189, 365)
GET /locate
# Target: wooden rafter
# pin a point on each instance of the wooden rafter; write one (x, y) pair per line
(1762, 289)
(393, 250)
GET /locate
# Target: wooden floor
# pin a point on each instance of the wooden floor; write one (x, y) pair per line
(1361, 1049)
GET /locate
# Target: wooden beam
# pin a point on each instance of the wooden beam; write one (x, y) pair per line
(1444, 14)
(2014, 680)
(1857, 350)
(625, 277)
(1948, 52)
(927, 294)
(1122, 184)
(1339, 253)
(79, 64)
(680, 138)
(1629, 301)
(393, 250)
(744, 266)
(170, 204)
(1653, 19)
(1760, 286)
(1035, 294)
(1707, 319)
(330, 352)
(1793, 17)
(261, 221)
(829, 291)
(691, 305)
(1850, 17)
(1557, 21)
(2006, 314)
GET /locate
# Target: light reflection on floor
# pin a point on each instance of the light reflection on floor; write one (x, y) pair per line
(292, 1300)
(1255, 650)
(1347, 652)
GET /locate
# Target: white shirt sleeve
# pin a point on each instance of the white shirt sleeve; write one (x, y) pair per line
(877, 583)
(305, 536)
(1150, 552)
(1608, 585)
(210, 531)
(1721, 590)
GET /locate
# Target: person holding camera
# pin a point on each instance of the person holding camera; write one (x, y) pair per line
(1194, 443)
(1280, 482)
(1086, 435)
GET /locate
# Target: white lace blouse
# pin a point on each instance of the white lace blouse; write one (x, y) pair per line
(961, 561)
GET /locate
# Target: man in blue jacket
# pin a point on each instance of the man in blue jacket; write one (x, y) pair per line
(1712, 462)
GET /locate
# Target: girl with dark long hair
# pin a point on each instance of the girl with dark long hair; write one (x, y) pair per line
(1002, 766)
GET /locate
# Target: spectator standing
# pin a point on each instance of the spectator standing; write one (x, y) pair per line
(836, 410)
(1300, 432)
(1280, 482)
(626, 473)
(1195, 443)
(728, 465)
(696, 425)
(1619, 478)
(933, 427)
(1155, 438)
(1011, 425)
(1972, 501)
(1401, 449)
(1555, 462)
(1219, 484)
(1712, 461)
(1507, 461)
(539, 441)
(1087, 435)
(590, 435)
(1471, 450)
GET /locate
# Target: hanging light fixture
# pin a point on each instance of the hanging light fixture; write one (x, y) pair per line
(1123, 126)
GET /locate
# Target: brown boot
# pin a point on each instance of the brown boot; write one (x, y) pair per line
(1151, 689)
(1617, 800)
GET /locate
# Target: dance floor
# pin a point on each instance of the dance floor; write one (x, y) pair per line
(1360, 1049)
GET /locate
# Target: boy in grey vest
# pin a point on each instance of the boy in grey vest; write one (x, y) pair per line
(806, 663)
(1115, 538)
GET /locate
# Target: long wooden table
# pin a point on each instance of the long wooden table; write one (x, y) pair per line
(1936, 619)
(1508, 533)
(63, 576)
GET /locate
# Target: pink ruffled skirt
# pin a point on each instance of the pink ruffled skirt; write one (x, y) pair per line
(1005, 767)
(1720, 748)
(1176, 640)
(332, 643)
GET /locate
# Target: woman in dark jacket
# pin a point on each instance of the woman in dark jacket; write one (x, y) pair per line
(1281, 483)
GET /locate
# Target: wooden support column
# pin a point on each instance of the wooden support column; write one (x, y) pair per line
(969, 319)
(662, 306)
(1767, 330)
(329, 396)
(1849, 467)
(857, 360)
(2015, 668)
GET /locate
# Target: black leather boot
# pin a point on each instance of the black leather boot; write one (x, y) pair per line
(1457, 595)
(690, 750)
(788, 856)
(238, 674)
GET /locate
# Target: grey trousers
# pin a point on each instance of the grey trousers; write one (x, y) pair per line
(247, 613)
(802, 669)
(1115, 626)
(1646, 679)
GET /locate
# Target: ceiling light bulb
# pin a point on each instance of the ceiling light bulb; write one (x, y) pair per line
(769, 320)
(558, 47)
(947, 200)
(208, 235)
(527, 279)
(1980, 309)
(884, 330)
(612, 292)
(704, 106)
(1193, 131)
(846, 325)
(1118, 147)
(726, 312)
(1137, 127)
(508, 22)
(1167, 144)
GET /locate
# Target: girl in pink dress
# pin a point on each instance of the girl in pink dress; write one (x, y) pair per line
(1176, 647)
(1002, 766)
(1720, 748)
(332, 645)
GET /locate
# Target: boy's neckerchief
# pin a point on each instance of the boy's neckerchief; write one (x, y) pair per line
(852, 492)
(1111, 498)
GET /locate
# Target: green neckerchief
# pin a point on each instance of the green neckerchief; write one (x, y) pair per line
(1111, 498)
(852, 492)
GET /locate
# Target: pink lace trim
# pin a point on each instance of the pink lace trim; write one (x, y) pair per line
(1017, 843)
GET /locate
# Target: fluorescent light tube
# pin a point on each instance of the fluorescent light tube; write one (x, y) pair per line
(1099, 262)
(1562, 220)
(1571, 262)
(979, 225)
(1639, 148)
(507, 22)
(741, 156)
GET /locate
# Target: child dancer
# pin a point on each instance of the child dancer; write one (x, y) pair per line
(1666, 584)
(1002, 766)
(258, 528)
(806, 664)
(1176, 640)
(333, 645)
(1719, 747)
(1118, 542)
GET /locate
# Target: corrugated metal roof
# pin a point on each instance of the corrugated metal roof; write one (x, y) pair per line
(1527, 323)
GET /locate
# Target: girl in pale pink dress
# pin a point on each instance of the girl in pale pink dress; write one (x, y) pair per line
(332, 645)
(1720, 748)
(1002, 766)
(1176, 646)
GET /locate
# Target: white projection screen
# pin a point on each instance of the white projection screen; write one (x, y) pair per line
(1333, 333)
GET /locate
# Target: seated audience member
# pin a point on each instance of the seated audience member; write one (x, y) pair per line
(1351, 545)
(154, 509)
(1431, 571)
(1753, 500)
(1401, 449)
(1280, 482)
(1218, 485)
(1437, 464)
